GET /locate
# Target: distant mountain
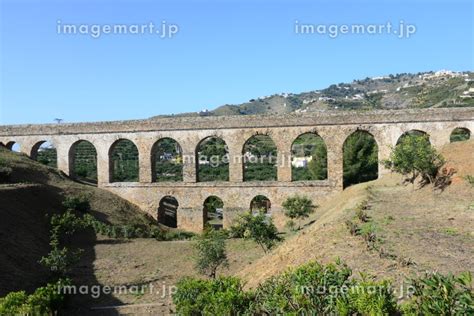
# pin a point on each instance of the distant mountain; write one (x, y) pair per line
(421, 90)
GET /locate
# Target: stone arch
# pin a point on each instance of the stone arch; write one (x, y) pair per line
(212, 160)
(45, 153)
(168, 211)
(13, 146)
(213, 212)
(166, 160)
(459, 134)
(123, 161)
(83, 161)
(413, 132)
(360, 158)
(308, 150)
(260, 203)
(259, 155)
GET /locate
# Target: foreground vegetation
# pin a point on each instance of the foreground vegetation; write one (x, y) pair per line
(325, 290)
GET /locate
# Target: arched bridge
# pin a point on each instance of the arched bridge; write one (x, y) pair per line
(334, 127)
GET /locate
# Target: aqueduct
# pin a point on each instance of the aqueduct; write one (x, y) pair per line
(386, 126)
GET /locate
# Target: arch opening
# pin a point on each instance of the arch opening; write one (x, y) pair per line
(260, 159)
(460, 134)
(213, 212)
(260, 203)
(13, 146)
(360, 158)
(123, 158)
(308, 158)
(83, 157)
(44, 152)
(167, 161)
(212, 160)
(168, 211)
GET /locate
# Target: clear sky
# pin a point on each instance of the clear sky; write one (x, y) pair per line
(225, 52)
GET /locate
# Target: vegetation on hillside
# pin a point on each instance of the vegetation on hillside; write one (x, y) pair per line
(394, 91)
(325, 290)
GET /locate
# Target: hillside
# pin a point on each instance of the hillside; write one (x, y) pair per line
(399, 91)
(418, 229)
(33, 191)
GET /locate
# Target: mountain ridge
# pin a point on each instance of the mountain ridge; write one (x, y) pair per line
(442, 88)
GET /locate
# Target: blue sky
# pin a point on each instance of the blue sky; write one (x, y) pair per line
(226, 52)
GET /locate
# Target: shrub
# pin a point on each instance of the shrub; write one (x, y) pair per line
(259, 228)
(65, 224)
(133, 231)
(177, 235)
(45, 300)
(221, 296)
(210, 246)
(368, 297)
(436, 294)
(59, 260)
(13, 303)
(78, 203)
(237, 230)
(470, 179)
(361, 211)
(354, 229)
(291, 225)
(298, 207)
(310, 289)
(415, 156)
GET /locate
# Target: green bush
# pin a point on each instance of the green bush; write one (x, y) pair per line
(315, 289)
(177, 235)
(368, 297)
(59, 260)
(65, 224)
(436, 294)
(45, 300)
(211, 252)
(298, 207)
(78, 203)
(470, 179)
(257, 227)
(221, 296)
(311, 289)
(414, 156)
(133, 231)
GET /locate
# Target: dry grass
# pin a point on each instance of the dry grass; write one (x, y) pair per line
(432, 229)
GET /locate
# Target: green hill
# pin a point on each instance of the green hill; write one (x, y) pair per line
(399, 91)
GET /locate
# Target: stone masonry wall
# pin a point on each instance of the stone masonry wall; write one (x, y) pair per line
(333, 127)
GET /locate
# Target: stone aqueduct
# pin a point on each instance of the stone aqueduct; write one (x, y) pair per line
(334, 127)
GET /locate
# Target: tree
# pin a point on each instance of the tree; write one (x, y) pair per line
(318, 166)
(360, 158)
(211, 249)
(415, 156)
(298, 207)
(259, 228)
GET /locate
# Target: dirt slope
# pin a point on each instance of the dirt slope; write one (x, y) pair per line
(430, 230)
(34, 191)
